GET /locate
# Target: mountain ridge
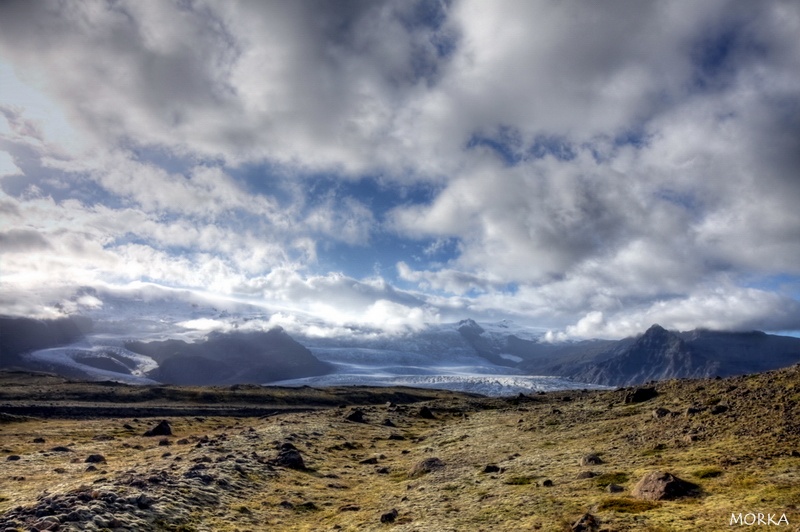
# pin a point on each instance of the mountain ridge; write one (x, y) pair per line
(248, 355)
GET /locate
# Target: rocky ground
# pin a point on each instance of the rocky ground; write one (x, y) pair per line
(677, 455)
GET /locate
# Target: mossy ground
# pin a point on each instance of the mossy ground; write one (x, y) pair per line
(742, 459)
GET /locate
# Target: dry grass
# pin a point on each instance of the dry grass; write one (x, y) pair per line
(737, 472)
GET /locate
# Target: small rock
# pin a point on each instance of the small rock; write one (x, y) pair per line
(349, 508)
(426, 413)
(95, 459)
(389, 517)
(356, 415)
(491, 468)
(163, 442)
(426, 466)
(162, 429)
(397, 437)
(586, 523)
(369, 461)
(719, 409)
(388, 423)
(547, 483)
(61, 449)
(661, 412)
(38, 440)
(13, 458)
(614, 488)
(586, 474)
(307, 506)
(591, 459)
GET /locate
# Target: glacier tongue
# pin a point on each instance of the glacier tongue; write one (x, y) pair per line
(491, 385)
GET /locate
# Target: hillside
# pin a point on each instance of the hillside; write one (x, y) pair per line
(399, 459)
(658, 354)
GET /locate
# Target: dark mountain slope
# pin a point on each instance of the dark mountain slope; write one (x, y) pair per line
(658, 354)
(231, 358)
(22, 335)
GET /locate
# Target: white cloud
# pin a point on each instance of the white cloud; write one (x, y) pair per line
(7, 165)
(596, 167)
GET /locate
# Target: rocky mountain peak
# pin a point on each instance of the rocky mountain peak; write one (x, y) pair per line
(470, 325)
(658, 337)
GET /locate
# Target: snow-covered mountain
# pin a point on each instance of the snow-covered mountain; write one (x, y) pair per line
(150, 334)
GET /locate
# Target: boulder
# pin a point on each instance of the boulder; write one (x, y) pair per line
(290, 458)
(660, 485)
(356, 415)
(426, 413)
(162, 429)
(640, 395)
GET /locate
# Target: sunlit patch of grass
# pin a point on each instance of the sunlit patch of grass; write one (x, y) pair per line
(625, 505)
(743, 482)
(610, 478)
(520, 481)
(707, 472)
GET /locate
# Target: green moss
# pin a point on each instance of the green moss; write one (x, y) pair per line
(707, 472)
(628, 506)
(611, 478)
(519, 481)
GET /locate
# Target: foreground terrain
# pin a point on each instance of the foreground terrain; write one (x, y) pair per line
(75, 457)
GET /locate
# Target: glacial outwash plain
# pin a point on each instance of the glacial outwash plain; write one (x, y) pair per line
(693, 454)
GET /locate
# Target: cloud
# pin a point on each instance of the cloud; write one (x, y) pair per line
(587, 168)
(715, 309)
(21, 240)
(7, 166)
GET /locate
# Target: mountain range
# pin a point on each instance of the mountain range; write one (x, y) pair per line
(657, 354)
(490, 358)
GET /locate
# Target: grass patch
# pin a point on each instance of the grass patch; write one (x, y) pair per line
(627, 506)
(519, 481)
(707, 472)
(611, 478)
(744, 482)
(654, 451)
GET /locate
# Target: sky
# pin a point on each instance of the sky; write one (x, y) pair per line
(585, 168)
